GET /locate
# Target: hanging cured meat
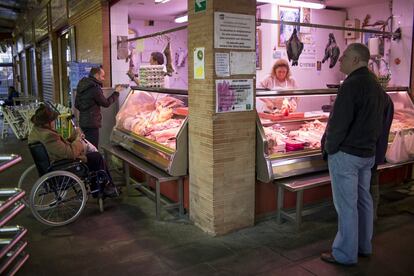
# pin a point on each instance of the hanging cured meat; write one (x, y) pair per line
(331, 51)
(294, 48)
(167, 53)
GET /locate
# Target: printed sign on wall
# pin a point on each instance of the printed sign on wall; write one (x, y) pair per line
(234, 31)
(199, 63)
(222, 64)
(200, 5)
(234, 95)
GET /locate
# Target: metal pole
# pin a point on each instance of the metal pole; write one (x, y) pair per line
(396, 35)
(155, 34)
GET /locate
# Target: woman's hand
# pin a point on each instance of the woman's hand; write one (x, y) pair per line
(120, 87)
(77, 134)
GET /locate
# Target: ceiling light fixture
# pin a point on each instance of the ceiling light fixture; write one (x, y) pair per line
(181, 19)
(312, 4)
(161, 1)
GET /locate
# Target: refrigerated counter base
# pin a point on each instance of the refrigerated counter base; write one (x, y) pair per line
(151, 136)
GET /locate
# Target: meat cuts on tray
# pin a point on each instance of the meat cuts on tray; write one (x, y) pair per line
(308, 136)
(403, 120)
(154, 118)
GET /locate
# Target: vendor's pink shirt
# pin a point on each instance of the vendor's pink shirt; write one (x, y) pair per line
(273, 83)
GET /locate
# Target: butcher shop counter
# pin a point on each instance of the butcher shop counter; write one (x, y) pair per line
(290, 126)
(152, 124)
(291, 123)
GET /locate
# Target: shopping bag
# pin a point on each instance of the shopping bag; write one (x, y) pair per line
(397, 152)
(89, 147)
(409, 143)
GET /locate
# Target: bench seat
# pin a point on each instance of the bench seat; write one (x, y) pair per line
(159, 175)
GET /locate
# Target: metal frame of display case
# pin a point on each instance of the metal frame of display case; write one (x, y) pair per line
(174, 162)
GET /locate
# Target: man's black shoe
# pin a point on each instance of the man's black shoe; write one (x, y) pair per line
(364, 255)
(110, 191)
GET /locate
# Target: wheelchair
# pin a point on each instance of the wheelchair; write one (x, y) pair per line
(59, 196)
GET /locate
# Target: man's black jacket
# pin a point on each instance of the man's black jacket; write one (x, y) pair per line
(356, 122)
(89, 99)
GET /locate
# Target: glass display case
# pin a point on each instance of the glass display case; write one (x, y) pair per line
(291, 123)
(152, 124)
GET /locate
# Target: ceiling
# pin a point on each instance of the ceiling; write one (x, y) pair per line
(352, 3)
(137, 9)
(9, 12)
(147, 9)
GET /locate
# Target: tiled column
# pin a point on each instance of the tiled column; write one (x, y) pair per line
(221, 145)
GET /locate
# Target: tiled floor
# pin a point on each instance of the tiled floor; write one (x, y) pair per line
(127, 240)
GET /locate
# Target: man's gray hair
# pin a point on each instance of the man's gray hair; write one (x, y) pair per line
(361, 50)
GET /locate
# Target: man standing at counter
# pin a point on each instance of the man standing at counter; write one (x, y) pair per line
(89, 99)
(354, 127)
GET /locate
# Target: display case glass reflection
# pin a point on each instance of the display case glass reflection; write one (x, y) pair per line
(154, 116)
(293, 124)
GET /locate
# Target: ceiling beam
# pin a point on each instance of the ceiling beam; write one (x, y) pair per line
(10, 7)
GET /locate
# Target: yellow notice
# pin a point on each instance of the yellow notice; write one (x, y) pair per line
(199, 63)
(139, 45)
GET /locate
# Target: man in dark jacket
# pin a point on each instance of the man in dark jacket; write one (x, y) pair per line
(89, 99)
(354, 127)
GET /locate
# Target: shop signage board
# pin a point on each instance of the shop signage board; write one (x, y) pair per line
(234, 31)
(308, 58)
(222, 64)
(199, 63)
(234, 95)
(200, 5)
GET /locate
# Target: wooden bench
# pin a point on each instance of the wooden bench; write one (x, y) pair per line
(302, 183)
(160, 176)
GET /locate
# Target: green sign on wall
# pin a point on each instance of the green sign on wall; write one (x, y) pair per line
(200, 5)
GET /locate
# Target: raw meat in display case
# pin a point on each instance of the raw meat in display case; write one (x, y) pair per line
(152, 124)
(292, 123)
(290, 126)
(152, 117)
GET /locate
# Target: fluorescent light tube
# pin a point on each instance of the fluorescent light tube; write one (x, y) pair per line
(318, 5)
(315, 4)
(181, 19)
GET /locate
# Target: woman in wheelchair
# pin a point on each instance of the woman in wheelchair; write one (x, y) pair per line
(72, 148)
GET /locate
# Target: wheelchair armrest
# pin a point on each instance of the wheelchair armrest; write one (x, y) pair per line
(77, 167)
(62, 164)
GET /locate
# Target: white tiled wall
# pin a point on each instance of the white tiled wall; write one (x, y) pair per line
(119, 26)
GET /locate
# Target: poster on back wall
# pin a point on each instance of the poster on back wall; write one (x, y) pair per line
(289, 14)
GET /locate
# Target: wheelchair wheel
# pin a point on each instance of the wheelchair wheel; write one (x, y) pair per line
(58, 198)
(25, 184)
